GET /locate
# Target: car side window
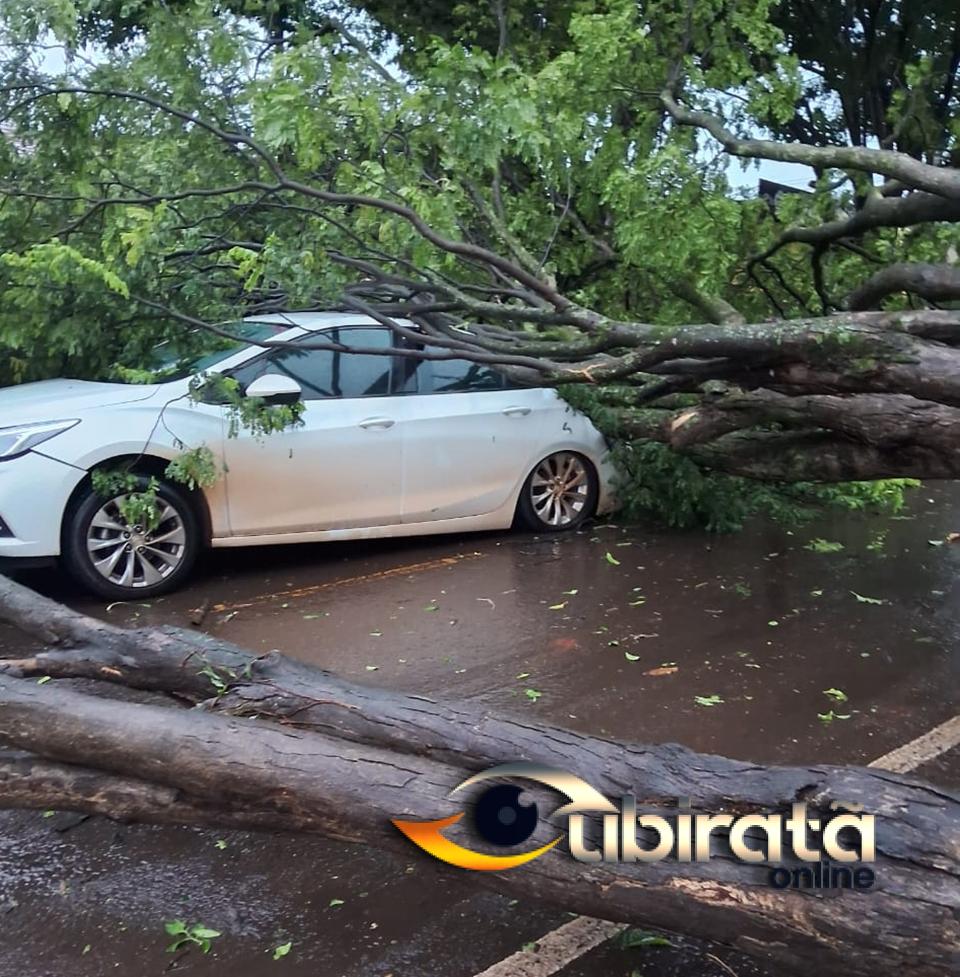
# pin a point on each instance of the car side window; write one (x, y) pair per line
(460, 376)
(410, 373)
(311, 368)
(363, 374)
(328, 374)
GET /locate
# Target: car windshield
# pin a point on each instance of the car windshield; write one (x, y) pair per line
(168, 363)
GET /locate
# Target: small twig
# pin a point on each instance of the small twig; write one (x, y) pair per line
(720, 963)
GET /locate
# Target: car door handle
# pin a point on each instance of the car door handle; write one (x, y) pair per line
(377, 423)
(516, 411)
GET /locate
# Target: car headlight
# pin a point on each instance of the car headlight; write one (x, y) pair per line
(18, 440)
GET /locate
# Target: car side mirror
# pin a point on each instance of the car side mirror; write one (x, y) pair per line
(275, 388)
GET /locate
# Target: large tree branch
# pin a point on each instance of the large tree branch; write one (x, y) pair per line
(713, 307)
(940, 180)
(28, 782)
(935, 283)
(881, 420)
(877, 212)
(819, 456)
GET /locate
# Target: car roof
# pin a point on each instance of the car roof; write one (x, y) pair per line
(312, 321)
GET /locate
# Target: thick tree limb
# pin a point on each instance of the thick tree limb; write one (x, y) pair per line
(878, 211)
(162, 764)
(817, 456)
(329, 757)
(940, 180)
(25, 780)
(715, 308)
(935, 283)
(861, 417)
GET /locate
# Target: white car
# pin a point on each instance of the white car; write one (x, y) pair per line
(389, 446)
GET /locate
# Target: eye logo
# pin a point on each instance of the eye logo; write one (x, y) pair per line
(500, 819)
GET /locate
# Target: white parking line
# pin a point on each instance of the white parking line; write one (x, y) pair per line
(555, 950)
(921, 750)
(560, 947)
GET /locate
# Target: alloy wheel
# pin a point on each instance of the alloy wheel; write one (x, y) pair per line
(133, 555)
(560, 488)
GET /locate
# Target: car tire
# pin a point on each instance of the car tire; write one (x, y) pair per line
(559, 495)
(134, 563)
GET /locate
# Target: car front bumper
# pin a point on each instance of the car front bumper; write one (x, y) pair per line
(34, 491)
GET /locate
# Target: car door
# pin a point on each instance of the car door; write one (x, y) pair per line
(468, 439)
(343, 467)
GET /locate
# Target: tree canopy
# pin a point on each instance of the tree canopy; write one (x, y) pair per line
(568, 189)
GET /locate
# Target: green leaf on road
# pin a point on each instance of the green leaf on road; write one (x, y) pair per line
(828, 717)
(632, 938)
(824, 546)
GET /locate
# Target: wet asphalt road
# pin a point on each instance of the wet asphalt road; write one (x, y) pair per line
(618, 629)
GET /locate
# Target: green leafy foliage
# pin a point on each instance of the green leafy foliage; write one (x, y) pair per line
(824, 546)
(195, 468)
(565, 113)
(708, 700)
(633, 938)
(220, 680)
(136, 495)
(186, 935)
(244, 413)
(675, 490)
(279, 952)
(830, 716)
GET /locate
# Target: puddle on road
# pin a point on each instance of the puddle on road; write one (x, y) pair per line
(725, 643)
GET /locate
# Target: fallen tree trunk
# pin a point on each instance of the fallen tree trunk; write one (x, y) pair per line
(277, 745)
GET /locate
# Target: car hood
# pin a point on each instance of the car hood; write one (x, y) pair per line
(53, 400)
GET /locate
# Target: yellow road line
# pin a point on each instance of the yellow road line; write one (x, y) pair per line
(295, 593)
